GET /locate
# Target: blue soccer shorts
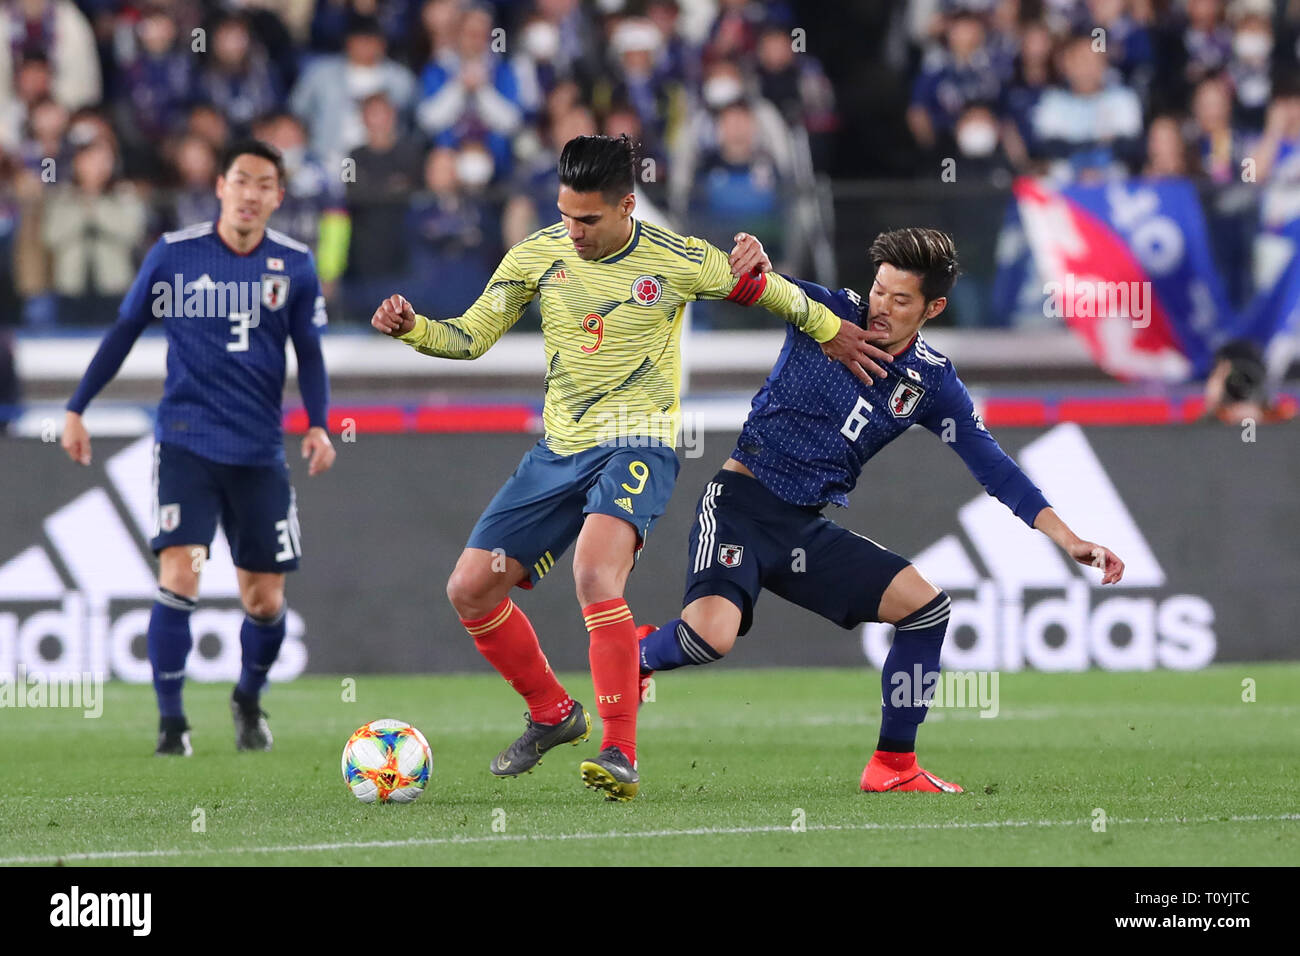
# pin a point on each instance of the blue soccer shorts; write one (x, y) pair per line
(540, 509)
(255, 505)
(746, 539)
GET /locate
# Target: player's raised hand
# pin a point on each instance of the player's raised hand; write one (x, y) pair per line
(76, 440)
(853, 348)
(1095, 556)
(394, 316)
(317, 446)
(748, 256)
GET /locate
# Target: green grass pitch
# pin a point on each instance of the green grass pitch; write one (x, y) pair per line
(732, 762)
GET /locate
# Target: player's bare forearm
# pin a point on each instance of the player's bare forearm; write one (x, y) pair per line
(1085, 552)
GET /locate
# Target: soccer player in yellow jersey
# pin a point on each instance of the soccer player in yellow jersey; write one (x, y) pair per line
(612, 290)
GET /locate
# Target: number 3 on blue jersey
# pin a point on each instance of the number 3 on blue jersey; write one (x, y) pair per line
(239, 326)
(856, 421)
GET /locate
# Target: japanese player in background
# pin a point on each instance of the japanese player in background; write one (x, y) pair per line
(810, 430)
(612, 289)
(229, 295)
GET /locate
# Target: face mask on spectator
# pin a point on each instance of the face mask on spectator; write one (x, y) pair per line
(722, 91)
(1252, 45)
(364, 80)
(977, 139)
(542, 40)
(473, 168)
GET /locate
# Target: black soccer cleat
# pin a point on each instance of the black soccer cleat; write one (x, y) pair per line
(526, 752)
(251, 729)
(173, 738)
(613, 773)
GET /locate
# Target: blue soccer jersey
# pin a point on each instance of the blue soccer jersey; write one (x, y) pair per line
(814, 424)
(226, 317)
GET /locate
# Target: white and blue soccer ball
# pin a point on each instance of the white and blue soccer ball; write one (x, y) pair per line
(387, 761)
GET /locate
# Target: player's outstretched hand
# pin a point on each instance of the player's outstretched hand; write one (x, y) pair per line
(748, 256)
(394, 316)
(317, 446)
(76, 440)
(1095, 556)
(852, 347)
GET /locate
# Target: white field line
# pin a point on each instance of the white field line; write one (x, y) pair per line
(632, 835)
(668, 720)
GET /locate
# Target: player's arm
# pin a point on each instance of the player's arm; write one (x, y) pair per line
(840, 339)
(134, 314)
(307, 320)
(467, 336)
(954, 420)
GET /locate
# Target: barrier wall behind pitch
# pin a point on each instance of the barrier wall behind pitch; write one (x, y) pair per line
(1206, 522)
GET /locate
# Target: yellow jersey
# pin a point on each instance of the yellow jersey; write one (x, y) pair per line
(611, 327)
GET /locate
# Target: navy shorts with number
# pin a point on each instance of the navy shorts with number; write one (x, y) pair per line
(745, 539)
(539, 511)
(254, 503)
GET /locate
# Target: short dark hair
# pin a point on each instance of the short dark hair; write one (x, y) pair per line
(929, 253)
(604, 164)
(254, 147)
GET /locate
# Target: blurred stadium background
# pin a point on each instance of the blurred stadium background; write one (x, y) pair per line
(1159, 145)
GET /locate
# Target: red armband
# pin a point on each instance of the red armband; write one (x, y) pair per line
(748, 289)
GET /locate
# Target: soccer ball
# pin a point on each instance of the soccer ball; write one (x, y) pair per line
(388, 761)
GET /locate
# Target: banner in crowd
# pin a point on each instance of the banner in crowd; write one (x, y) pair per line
(1128, 265)
(1210, 572)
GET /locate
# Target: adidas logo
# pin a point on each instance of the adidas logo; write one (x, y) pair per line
(624, 503)
(1002, 620)
(79, 600)
(202, 282)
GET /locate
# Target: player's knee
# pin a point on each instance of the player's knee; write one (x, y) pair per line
(263, 601)
(264, 606)
(595, 582)
(471, 592)
(721, 639)
(178, 572)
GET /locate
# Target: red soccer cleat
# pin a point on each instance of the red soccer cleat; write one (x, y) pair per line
(893, 771)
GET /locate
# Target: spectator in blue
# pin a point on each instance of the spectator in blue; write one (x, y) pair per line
(329, 93)
(236, 76)
(1091, 127)
(331, 20)
(1221, 146)
(678, 59)
(471, 94)
(531, 205)
(192, 199)
(453, 230)
(1129, 43)
(157, 85)
(660, 105)
(10, 305)
(33, 83)
(1254, 55)
(311, 189)
(961, 71)
(1194, 45)
(45, 136)
(538, 67)
(1030, 78)
(389, 170)
(739, 187)
(798, 87)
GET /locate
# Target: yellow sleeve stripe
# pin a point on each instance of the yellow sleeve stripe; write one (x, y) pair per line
(603, 618)
(481, 629)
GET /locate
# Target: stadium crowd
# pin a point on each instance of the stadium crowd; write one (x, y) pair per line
(420, 135)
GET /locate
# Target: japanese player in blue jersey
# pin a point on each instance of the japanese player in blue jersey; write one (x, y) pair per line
(229, 296)
(811, 428)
